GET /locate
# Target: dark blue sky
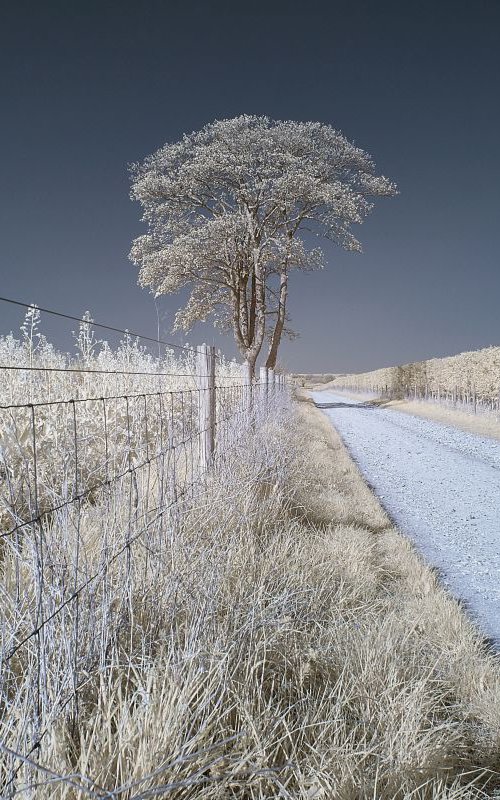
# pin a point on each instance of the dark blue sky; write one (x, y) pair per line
(88, 87)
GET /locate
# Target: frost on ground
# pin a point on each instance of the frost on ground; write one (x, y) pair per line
(442, 488)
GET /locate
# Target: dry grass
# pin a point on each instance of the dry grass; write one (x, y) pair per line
(293, 645)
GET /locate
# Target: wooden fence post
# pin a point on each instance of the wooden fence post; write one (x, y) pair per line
(271, 383)
(263, 382)
(247, 384)
(205, 373)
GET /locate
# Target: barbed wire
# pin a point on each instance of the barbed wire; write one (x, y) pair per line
(92, 322)
(102, 325)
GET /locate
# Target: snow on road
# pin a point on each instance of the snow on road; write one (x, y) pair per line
(442, 488)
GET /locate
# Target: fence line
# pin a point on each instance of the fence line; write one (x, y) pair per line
(92, 323)
(91, 491)
(84, 371)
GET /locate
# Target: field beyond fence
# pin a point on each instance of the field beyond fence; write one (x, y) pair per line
(468, 380)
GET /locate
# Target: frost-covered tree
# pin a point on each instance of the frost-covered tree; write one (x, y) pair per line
(226, 208)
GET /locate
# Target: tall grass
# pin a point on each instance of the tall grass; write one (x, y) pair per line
(72, 422)
(98, 454)
(105, 369)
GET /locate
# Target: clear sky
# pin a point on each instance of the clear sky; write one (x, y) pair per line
(89, 87)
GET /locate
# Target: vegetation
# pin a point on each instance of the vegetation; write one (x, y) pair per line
(477, 371)
(226, 210)
(95, 413)
(279, 639)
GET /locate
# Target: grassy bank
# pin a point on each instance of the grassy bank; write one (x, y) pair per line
(293, 645)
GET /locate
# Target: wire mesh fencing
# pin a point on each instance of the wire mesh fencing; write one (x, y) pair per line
(92, 489)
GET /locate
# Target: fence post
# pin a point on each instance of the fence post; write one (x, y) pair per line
(247, 384)
(263, 382)
(205, 373)
(271, 383)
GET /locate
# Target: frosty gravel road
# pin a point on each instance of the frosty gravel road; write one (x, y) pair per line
(442, 488)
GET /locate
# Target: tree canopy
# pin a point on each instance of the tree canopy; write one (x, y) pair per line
(226, 208)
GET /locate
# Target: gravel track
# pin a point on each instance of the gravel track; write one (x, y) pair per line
(441, 486)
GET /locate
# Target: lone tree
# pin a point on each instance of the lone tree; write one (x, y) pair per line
(226, 208)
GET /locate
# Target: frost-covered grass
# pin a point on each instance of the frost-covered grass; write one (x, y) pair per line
(281, 640)
(110, 368)
(95, 413)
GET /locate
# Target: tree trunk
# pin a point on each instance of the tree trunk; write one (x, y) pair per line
(243, 312)
(250, 347)
(253, 301)
(250, 364)
(258, 312)
(280, 322)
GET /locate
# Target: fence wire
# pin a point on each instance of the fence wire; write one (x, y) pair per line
(91, 493)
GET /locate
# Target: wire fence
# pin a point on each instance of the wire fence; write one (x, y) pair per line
(92, 490)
